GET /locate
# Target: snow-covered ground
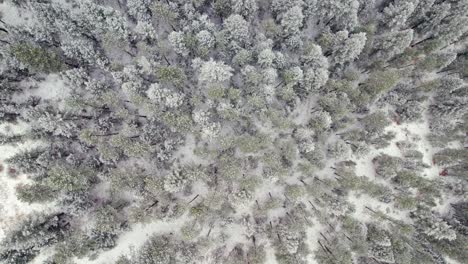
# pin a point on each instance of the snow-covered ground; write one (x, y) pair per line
(139, 233)
(134, 239)
(11, 209)
(54, 88)
(12, 15)
(417, 133)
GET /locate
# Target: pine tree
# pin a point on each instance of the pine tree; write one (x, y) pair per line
(350, 49)
(246, 8)
(396, 14)
(339, 15)
(24, 242)
(292, 21)
(177, 40)
(237, 29)
(214, 72)
(381, 246)
(394, 43)
(103, 19)
(26, 161)
(139, 9)
(37, 58)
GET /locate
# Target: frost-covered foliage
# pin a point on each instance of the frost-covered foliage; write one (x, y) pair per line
(233, 131)
(214, 72)
(164, 96)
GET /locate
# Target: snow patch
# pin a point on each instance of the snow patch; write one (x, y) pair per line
(135, 238)
(11, 209)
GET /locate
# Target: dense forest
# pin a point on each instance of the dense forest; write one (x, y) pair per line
(233, 131)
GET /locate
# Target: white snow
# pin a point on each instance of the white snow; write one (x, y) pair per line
(313, 234)
(43, 255)
(135, 238)
(408, 131)
(185, 153)
(415, 132)
(54, 88)
(270, 254)
(364, 215)
(12, 15)
(302, 113)
(51, 88)
(11, 209)
(451, 261)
